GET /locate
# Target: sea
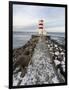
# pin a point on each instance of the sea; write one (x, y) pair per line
(21, 38)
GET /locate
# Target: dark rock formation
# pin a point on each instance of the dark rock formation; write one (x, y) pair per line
(22, 56)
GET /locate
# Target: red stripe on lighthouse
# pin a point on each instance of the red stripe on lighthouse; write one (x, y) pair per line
(40, 25)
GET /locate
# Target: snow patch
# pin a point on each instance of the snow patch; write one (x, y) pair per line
(56, 62)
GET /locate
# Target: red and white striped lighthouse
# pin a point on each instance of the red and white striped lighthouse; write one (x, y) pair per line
(41, 26)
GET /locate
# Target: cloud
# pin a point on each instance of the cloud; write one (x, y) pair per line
(26, 17)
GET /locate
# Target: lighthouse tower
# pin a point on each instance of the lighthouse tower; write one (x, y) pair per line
(41, 29)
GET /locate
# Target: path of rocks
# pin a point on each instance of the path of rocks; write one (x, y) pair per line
(41, 71)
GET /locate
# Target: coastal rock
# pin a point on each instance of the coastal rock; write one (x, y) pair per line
(56, 62)
(22, 61)
(42, 69)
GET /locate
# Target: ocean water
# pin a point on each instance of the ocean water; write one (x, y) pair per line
(58, 36)
(21, 38)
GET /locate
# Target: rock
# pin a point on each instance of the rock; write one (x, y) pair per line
(48, 46)
(62, 62)
(51, 48)
(64, 58)
(63, 66)
(62, 53)
(60, 58)
(60, 49)
(22, 61)
(57, 53)
(57, 48)
(55, 45)
(55, 80)
(61, 70)
(51, 45)
(57, 62)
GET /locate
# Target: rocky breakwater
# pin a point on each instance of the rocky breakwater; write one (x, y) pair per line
(40, 61)
(57, 53)
(41, 70)
(21, 59)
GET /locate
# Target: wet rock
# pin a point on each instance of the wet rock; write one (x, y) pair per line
(41, 70)
(22, 61)
(60, 57)
(61, 70)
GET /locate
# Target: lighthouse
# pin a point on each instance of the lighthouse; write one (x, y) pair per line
(41, 28)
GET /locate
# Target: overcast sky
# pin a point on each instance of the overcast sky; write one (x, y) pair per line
(25, 18)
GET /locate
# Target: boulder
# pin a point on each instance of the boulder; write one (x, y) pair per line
(22, 61)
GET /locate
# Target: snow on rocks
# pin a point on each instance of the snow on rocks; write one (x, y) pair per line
(48, 46)
(58, 56)
(16, 78)
(41, 70)
(55, 80)
(57, 53)
(62, 53)
(57, 62)
(55, 45)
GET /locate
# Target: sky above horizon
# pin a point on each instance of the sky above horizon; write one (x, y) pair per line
(26, 18)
